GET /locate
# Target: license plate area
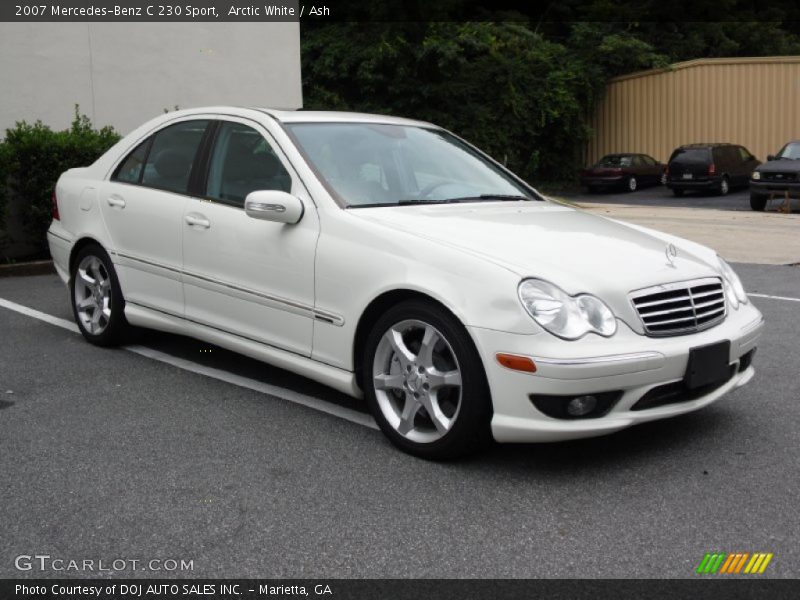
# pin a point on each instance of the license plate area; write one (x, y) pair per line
(688, 176)
(707, 365)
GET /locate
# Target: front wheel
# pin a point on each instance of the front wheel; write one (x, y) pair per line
(97, 302)
(425, 383)
(632, 184)
(758, 202)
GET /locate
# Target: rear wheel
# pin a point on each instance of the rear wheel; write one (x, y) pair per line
(663, 179)
(758, 202)
(724, 187)
(97, 302)
(678, 192)
(425, 382)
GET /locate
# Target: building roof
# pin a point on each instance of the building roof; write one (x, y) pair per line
(703, 62)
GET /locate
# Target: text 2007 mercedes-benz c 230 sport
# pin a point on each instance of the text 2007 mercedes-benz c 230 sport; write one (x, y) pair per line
(388, 257)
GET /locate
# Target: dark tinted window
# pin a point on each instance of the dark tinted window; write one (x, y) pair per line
(690, 155)
(744, 154)
(615, 160)
(638, 161)
(242, 162)
(648, 160)
(172, 155)
(130, 170)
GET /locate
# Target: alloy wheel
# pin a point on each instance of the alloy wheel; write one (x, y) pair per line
(93, 295)
(417, 381)
(632, 184)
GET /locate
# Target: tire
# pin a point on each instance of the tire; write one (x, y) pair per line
(663, 179)
(592, 189)
(631, 184)
(758, 202)
(724, 186)
(99, 310)
(678, 193)
(447, 381)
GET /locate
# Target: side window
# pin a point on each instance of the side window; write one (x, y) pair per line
(744, 154)
(171, 156)
(649, 160)
(130, 169)
(242, 162)
(638, 161)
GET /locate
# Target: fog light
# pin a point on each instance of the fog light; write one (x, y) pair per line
(582, 405)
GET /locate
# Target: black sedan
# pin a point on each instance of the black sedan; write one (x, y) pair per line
(626, 171)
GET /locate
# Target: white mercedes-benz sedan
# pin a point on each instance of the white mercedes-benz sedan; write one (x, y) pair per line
(389, 258)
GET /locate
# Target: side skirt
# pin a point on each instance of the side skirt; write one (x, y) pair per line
(338, 379)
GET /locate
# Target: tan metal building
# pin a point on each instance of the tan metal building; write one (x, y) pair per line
(750, 101)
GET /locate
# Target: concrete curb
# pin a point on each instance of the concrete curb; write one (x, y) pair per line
(38, 267)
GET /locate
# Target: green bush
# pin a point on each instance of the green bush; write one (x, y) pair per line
(33, 156)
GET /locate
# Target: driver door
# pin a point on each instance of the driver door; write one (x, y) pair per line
(248, 277)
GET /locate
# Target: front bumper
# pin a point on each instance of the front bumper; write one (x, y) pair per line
(764, 188)
(628, 362)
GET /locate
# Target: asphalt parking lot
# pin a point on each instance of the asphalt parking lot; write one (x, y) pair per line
(659, 195)
(174, 449)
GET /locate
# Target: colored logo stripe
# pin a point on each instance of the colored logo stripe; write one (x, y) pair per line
(721, 562)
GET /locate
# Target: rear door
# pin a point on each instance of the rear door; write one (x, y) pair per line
(142, 205)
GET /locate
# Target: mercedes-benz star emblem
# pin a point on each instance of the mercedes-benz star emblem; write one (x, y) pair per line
(671, 253)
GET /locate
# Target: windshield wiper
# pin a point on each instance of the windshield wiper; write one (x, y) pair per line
(504, 197)
(411, 201)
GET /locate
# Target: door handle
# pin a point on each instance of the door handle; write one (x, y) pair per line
(195, 220)
(115, 200)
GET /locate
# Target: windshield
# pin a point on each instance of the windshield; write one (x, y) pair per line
(790, 150)
(366, 164)
(615, 161)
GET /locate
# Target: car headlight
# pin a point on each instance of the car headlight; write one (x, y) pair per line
(736, 293)
(756, 175)
(568, 317)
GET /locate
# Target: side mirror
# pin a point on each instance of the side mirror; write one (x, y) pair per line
(274, 205)
(770, 157)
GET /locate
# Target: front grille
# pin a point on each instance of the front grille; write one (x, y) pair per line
(779, 176)
(680, 308)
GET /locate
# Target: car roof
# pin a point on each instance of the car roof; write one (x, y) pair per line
(300, 116)
(320, 116)
(707, 145)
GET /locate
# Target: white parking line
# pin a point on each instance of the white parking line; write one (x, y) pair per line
(785, 298)
(335, 410)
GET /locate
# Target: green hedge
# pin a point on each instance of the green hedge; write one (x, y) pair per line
(32, 156)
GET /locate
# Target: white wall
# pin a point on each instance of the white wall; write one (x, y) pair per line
(122, 74)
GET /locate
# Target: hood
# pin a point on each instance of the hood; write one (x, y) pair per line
(576, 250)
(783, 165)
